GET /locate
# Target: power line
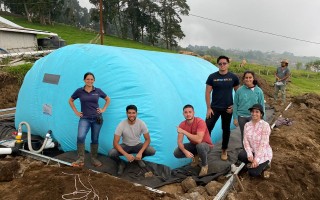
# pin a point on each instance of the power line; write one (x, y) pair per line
(255, 30)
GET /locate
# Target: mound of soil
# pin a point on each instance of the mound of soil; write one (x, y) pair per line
(295, 171)
(9, 88)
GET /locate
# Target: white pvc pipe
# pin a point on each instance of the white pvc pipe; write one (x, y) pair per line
(5, 151)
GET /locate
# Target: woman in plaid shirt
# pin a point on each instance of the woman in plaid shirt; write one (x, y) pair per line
(257, 153)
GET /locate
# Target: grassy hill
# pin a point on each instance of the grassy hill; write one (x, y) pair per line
(73, 35)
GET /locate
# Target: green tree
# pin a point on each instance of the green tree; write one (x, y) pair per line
(170, 16)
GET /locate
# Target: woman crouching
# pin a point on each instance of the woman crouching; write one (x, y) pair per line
(257, 153)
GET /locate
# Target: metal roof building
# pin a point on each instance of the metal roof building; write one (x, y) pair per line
(15, 38)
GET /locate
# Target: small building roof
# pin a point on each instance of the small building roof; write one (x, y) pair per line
(6, 25)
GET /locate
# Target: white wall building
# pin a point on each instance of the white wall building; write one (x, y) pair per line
(15, 39)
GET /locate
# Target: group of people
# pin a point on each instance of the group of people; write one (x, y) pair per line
(246, 107)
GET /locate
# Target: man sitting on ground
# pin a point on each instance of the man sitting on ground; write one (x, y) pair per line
(200, 142)
(130, 130)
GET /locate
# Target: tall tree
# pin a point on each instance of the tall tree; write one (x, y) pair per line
(149, 23)
(170, 15)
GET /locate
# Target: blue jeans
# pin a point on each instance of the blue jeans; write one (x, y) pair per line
(225, 121)
(114, 154)
(83, 128)
(243, 157)
(201, 149)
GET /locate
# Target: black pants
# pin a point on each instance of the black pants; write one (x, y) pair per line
(225, 121)
(243, 157)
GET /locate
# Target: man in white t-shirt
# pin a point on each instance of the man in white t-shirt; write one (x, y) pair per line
(131, 130)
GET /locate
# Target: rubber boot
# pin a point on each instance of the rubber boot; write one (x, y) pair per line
(94, 155)
(121, 166)
(80, 161)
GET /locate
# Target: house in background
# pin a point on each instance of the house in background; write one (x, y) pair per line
(15, 38)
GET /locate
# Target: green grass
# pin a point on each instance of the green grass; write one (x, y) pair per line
(73, 35)
(18, 71)
(301, 81)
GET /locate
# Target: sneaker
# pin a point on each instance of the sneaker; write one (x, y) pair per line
(224, 155)
(203, 171)
(141, 164)
(195, 161)
(121, 168)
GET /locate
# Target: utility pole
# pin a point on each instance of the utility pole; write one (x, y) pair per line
(101, 23)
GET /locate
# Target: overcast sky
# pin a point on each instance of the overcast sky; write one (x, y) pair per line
(290, 18)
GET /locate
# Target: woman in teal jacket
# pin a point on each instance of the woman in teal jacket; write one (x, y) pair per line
(246, 96)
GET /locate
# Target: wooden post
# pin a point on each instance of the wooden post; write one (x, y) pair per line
(101, 23)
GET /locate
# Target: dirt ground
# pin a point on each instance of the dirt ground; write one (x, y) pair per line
(295, 171)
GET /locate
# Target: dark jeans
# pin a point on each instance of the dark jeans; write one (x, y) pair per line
(114, 154)
(242, 121)
(243, 157)
(225, 121)
(201, 149)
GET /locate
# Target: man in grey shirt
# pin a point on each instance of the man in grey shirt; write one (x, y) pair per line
(131, 130)
(282, 74)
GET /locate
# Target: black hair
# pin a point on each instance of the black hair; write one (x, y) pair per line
(255, 82)
(131, 107)
(257, 107)
(87, 74)
(222, 57)
(188, 106)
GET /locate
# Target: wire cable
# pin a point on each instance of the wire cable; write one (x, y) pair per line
(255, 30)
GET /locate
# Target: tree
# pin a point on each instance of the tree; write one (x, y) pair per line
(170, 15)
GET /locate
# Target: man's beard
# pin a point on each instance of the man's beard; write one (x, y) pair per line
(132, 120)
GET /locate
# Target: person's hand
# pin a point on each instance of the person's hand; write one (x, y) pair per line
(254, 164)
(138, 156)
(235, 122)
(250, 158)
(99, 110)
(180, 130)
(130, 157)
(188, 154)
(209, 113)
(229, 109)
(79, 114)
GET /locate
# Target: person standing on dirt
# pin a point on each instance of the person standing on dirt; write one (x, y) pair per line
(219, 86)
(195, 129)
(246, 96)
(131, 130)
(90, 118)
(257, 151)
(282, 74)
